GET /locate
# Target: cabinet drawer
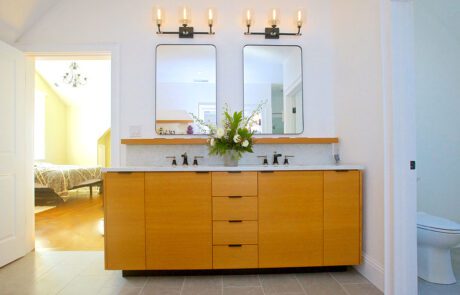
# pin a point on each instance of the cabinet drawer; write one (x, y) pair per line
(230, 208)
(234, 184)
(229, 232)
(241, 256)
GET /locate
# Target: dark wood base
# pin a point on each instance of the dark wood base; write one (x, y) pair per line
(137, 273)
(47, 197)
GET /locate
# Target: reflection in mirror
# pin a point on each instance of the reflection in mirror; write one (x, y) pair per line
(185, 83)
(273, 74)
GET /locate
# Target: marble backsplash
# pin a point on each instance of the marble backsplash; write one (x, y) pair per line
(155, 155)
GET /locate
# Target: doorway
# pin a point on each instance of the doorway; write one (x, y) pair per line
(72, 143)
(436, 83)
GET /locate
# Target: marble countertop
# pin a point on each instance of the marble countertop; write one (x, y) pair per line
(191, 168)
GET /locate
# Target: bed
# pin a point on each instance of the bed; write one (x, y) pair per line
(52, 182)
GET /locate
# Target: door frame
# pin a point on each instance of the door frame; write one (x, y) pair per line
(400, 195)
(33, 51)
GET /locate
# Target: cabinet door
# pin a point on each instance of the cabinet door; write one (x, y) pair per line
(124, 221)
(290, 219)
(342, 218)
(178, 220)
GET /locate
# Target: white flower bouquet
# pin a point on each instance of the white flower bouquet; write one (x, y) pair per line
(234, 137)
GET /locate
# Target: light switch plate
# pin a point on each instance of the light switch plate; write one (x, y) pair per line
(135, 131)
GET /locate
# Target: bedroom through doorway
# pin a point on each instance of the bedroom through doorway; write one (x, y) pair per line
(72, 142)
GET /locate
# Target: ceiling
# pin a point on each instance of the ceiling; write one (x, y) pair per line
(17, 16)
(97, 71)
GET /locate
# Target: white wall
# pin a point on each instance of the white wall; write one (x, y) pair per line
(359, 114)
(342, 72)
(129, 23)
(437, 86)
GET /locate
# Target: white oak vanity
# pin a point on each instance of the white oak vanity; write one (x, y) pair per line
(247, 217)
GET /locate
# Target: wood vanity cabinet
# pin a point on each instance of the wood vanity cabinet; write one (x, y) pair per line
(342, 217)
(124, 221)
(235, 220)
(178, 220)
(232, 220)
(290, 219)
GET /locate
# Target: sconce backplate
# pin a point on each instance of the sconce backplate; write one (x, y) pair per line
(185, 32)
(272, 33)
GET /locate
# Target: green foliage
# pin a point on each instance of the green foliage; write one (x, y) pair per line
(235, 133)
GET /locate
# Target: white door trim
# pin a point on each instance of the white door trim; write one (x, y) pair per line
(399, 132)
(36, 50)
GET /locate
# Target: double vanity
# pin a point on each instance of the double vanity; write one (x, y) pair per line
(247, 217)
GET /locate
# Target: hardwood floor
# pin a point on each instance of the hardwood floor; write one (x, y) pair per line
(71, 226)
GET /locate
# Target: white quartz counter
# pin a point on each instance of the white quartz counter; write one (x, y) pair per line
(238, 168)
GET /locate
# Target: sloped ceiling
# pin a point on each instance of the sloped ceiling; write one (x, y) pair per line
(17, 16)
(97, 72)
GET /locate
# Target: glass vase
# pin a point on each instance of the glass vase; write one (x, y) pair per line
(231, 158)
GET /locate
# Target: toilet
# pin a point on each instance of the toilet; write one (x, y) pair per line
(435, 237)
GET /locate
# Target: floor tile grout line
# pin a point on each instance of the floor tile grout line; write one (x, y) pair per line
(301, 286)
(73, 278)
(341, 286)
(182, 287)
(357, 284)
(261, 285)
(143, 286)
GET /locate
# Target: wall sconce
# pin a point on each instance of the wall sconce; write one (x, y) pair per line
(273, 32)
(185, 31)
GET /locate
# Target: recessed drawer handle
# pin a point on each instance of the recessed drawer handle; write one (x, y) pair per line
(235, 197)
(124, 172)
(232, 221)
(234, 245)
(234, 171)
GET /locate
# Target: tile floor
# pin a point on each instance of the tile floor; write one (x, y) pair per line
(426, 288)
(83, 273)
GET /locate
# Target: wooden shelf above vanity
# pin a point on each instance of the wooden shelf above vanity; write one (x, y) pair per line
(257, 140)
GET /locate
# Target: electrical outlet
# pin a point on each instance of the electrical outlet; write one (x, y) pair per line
(135, 131)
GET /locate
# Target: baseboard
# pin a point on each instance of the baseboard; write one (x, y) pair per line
(373, 271)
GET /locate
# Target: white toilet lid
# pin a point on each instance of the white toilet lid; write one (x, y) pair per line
(436, 222)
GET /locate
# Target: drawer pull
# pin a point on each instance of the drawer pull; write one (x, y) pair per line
(234, 171)
(235, 197)
(235, 245)
(270, 171)
(234, 221)
(201, 172)
(124, 172)
(341, 171)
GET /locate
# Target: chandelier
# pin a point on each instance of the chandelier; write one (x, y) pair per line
(74, 77)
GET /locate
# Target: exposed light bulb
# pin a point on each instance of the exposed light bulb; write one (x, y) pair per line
(210, 16)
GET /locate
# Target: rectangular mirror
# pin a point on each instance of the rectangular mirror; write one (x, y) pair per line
(185, 85)
(273, 75)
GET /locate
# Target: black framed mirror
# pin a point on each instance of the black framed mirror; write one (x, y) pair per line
(273, 75)
(185, 84)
